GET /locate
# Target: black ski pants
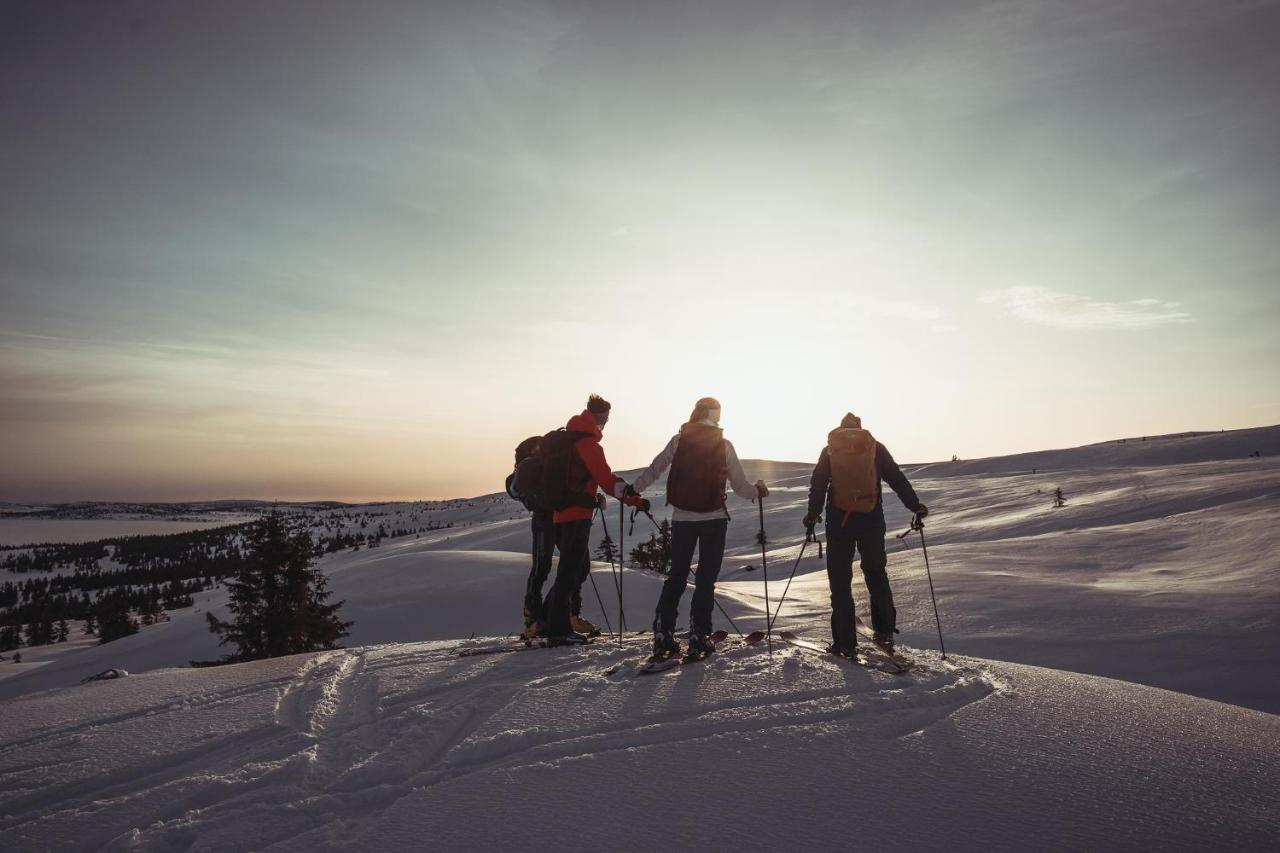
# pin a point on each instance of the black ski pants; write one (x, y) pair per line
(708, 538)
(573, 538)
(868, 540)
(544, 546)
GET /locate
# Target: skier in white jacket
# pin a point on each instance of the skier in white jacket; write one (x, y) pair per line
(702, 461)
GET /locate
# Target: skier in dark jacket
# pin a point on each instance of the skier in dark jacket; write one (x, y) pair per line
(544, 545)
(702, 461)
(847, 480)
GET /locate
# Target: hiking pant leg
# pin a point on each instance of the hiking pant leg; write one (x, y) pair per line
(840, 578)
(874, 560)
(573, 539)
(544, 545)
(575, 599)
(684, 538)
(710, 557)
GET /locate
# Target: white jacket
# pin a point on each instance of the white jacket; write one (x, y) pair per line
(737, 479)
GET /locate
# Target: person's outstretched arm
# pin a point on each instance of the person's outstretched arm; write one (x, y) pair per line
(737, 477)
(592, 455)
(818, 484)
(892, 474)
(660, 463)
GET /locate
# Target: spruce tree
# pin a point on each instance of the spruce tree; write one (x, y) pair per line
(655, 552)
(278, 601)
(606, 551)
(114, 618)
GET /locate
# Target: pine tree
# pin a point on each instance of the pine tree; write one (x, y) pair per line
(278, 601)
(606, 551)
(655, 552)
(114, 618)
(40, 630)
(90, 624)
(10, 638)
(62, 631)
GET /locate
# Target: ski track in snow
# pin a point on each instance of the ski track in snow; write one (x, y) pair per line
(353, 732)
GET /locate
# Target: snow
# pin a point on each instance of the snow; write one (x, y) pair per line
(410, 747)
(1159, 570)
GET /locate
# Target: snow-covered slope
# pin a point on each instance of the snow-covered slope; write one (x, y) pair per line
(400, 592)
(408, 747)
(1161, 574)
(1159, 570)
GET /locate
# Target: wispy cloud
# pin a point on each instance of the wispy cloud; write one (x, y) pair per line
(1060, 310)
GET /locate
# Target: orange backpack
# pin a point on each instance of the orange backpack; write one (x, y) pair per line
(855, 482)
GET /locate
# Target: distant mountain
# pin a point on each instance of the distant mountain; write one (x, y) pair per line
(1182, 448)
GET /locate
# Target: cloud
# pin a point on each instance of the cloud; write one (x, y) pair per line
(1047, 307)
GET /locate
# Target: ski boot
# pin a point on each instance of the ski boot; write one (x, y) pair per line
(845, 651)
(884, 640)
(582, 626)
(533, 626)
(570, 639)
(700, 645)
(664, 645)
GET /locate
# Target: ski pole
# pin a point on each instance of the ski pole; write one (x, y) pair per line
(604, 523)
(918, 524)
(600, 601)
(764, 566)
(807, 537)
(622, 562)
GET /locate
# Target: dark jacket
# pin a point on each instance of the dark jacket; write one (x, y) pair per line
(820, 492)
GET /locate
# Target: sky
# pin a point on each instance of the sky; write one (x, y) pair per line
(302, 250)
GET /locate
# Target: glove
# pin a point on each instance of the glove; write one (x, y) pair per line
(635, 500)
(621, 489)
(922, 511)
(600, 499)
(761, 489)
(811, 519)
(630, 490)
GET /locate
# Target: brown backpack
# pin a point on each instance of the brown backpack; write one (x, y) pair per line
(699, 469)
(855, 482)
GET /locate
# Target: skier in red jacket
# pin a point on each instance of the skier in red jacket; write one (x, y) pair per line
(589, 471)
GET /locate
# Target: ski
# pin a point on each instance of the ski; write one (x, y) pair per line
(870, 636)
(652, 667)
(672, 661)
(522, 646)
(880, 665)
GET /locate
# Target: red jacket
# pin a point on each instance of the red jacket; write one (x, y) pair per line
(600, 476)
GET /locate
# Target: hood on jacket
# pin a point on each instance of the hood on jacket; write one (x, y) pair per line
(585, 422)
